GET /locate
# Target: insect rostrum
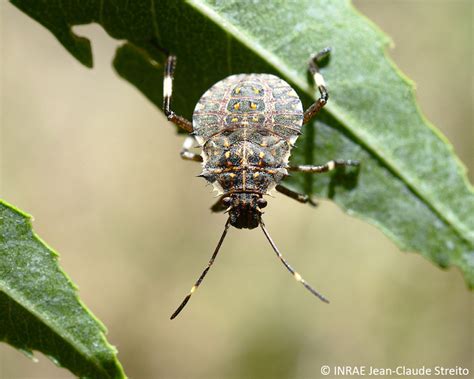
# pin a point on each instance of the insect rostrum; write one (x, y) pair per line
(246, 126)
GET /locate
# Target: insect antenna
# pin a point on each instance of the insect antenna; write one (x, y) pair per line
(289, 268)
(198, 282)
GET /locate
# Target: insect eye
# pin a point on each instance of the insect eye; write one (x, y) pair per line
(262, 203)
(227, 201)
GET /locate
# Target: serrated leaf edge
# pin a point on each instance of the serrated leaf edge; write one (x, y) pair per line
(31, 309)
(341, 116)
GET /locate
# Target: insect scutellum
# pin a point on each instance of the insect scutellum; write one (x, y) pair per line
(246, 125)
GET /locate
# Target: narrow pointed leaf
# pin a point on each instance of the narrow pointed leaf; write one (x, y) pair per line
(39, 307)
(410, 183)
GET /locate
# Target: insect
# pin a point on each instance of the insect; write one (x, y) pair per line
(246, 126)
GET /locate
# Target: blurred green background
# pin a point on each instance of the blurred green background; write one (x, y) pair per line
(98, 167)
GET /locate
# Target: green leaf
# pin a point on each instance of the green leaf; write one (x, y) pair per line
(410, 184)
(39, 307)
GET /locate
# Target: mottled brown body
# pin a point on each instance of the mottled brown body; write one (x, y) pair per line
(247, 125)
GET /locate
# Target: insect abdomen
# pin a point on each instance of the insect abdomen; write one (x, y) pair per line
(260, 101)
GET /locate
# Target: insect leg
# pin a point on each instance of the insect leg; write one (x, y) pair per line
(198, 282)
(302, 198)
(329, 166)
(186, 153)
(218, 206)
(289, 268)
(314, 109)
(167, 93)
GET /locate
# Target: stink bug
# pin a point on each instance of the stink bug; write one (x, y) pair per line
(246, 126)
